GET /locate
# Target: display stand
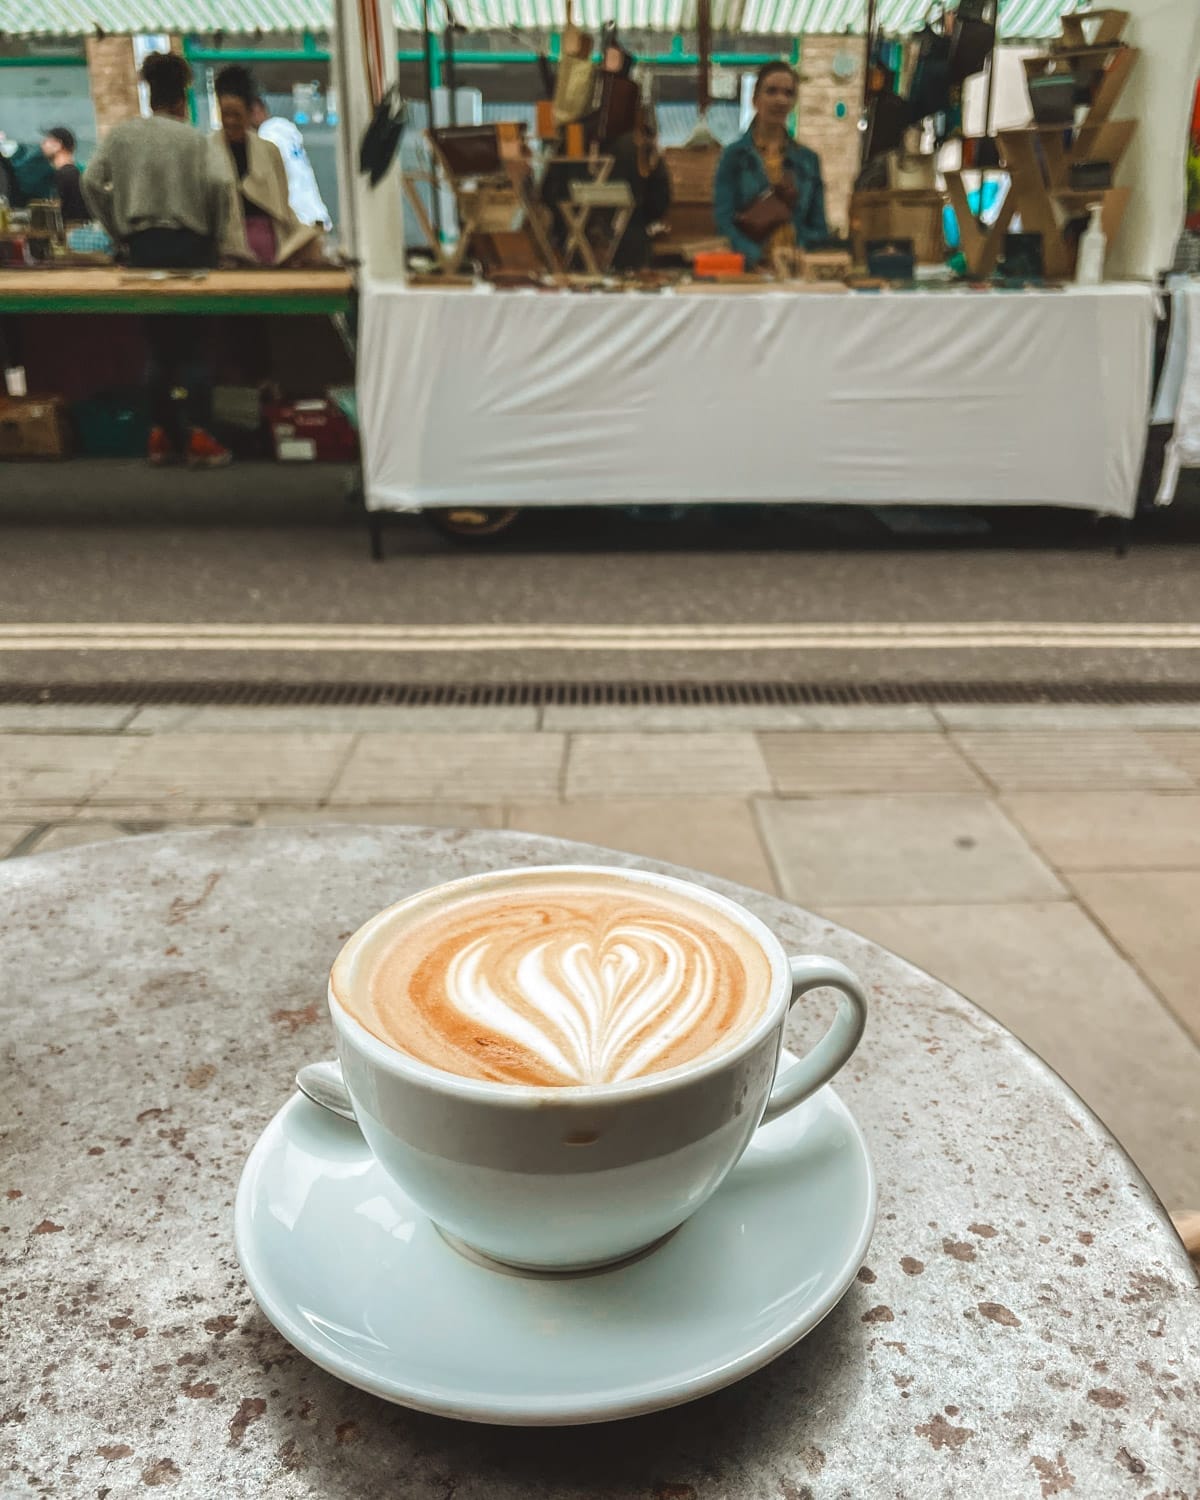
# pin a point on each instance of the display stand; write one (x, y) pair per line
(1039, 158)
(595, 253)
(497, 206)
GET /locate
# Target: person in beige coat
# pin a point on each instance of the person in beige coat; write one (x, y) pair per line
(260, 225)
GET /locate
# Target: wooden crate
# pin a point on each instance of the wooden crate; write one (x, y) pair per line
(692, 173)
(908, 214)
(690, 216)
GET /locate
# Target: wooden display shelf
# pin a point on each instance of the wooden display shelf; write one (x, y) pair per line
(1059, 54)
(113, 289)
(981, 248)
(1109, 24)
(1113, 77)
(1107, 142)
(1038, 158)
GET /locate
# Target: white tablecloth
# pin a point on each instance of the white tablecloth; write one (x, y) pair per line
(1179, 389)
(947, 398)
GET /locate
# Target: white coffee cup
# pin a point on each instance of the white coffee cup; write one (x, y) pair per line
(568, 1179)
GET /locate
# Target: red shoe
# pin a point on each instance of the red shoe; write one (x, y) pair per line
(160, 449)
(204, 452)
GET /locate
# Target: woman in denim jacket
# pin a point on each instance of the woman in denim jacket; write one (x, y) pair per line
(767, 157)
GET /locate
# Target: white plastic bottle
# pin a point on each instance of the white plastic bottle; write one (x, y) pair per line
(1093, 246)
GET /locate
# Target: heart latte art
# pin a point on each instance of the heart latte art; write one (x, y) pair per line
(589, 982)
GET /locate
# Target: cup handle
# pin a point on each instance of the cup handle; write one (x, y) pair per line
(831, 1053)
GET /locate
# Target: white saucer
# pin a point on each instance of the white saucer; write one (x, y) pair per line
(356, 1277)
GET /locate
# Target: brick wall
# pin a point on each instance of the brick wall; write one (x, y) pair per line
(835, 141)
(113, 80)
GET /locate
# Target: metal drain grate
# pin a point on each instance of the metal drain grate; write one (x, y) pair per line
(587, 694)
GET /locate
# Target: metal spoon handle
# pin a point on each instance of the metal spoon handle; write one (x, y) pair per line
(322, 1082)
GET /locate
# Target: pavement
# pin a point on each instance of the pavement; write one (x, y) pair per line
(1043, 860)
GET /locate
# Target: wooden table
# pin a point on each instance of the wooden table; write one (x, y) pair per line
(1026, 1324)
(105, 289)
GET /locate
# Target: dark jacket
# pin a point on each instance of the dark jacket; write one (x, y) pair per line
(651, 203)
(741, 178)
(74, 209)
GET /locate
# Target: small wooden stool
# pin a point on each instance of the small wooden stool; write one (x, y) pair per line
(587, 198)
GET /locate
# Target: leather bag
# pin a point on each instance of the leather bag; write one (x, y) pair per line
(618, 112)
(769, 211)
(469, 150)
(381, 139)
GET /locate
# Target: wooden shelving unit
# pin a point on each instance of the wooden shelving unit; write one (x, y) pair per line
(1039, 158)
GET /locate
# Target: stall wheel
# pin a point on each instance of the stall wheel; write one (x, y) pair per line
(472, 523)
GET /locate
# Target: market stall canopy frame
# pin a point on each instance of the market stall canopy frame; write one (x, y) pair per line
(1019, 19)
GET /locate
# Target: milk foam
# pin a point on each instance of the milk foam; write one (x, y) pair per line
(582, 982)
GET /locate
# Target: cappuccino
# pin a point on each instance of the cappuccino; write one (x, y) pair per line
(575, 980)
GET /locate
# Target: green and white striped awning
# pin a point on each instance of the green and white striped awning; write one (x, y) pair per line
(1018, 18)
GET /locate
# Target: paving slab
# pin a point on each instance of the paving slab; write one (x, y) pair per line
(879, 718)
(809, 764)
(57, 768)
(1154, 917)
(161, 718)
(1131, 830)
(63, 718)
(833, 851)
(697, 718)
(413, 814)
(665, 765)
(1181, 748)
(1069, 716)
(372, 718)
(34, 810)
(466, 768)
(1050, 975)
(75, 834)
(12, 834)
(261, 767)
(717, 834)
(165, 810)
(1017, 760)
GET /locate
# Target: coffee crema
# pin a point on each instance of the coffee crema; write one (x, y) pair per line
(574, 981)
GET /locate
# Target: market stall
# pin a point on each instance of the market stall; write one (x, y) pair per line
(947, 398)
(883, 380)
(119, 337)
(73, 337)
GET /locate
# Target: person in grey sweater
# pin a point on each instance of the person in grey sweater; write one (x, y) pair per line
(154, 185)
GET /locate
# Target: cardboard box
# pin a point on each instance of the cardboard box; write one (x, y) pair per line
(33, 427)
(311, 431)
(237, 406)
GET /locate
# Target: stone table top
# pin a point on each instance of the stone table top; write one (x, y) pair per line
(1026, 1323)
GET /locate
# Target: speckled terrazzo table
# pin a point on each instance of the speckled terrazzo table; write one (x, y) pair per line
(1026, 1322)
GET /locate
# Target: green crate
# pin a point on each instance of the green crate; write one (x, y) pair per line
(114, 424)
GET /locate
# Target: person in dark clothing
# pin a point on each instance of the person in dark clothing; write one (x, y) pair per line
(637, 161)
(155, 188)
(8, 179)
(58, 147)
